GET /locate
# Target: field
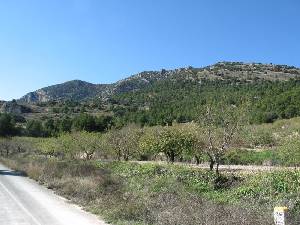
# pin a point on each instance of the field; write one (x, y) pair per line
(104, 174)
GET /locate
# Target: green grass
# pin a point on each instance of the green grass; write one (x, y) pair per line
(274, 186)
(248, 157)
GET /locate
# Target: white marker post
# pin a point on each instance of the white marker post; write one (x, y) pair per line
(280, 215)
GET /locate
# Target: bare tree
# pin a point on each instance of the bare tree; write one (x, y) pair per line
(86, 144)
(124, 142)
(220, 124)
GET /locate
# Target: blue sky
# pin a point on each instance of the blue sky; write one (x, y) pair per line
(44, 42)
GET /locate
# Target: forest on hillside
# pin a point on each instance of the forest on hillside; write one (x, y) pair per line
(162, 103)
(168, 101)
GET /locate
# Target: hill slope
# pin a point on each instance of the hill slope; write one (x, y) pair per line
(79, 90)
(71, 90)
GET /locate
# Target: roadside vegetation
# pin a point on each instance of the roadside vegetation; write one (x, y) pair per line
(131, 193)
(97, 170)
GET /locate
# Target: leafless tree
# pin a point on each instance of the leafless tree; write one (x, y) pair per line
(220, 124)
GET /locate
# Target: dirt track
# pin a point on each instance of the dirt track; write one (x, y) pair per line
(229, 168)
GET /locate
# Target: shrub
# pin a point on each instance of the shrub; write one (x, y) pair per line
(259, 136)
(123, 143)
(34, 128)
(248, 157)
(7, 125)
(72, 145)
(288, 153)
(172, 141)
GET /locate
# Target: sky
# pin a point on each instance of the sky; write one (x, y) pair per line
(45, 42)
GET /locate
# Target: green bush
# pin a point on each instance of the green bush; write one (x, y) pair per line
(288, 153)
(72, 145)
(258, 136)
(174, 141)
(7, 125)
(248, 157)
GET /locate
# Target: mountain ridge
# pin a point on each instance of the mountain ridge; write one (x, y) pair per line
(79, 90)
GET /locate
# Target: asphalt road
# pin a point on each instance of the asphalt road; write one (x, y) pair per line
(24, 202)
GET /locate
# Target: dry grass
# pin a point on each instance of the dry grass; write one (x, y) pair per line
(105, 193)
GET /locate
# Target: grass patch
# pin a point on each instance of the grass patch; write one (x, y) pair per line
(248, 157)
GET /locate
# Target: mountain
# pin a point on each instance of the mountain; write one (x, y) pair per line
(72, 90)
(80, 90)
(13, 108)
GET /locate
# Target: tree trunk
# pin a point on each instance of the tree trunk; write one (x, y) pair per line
(181, 159)
(126, 157)
(89, 155)
(119, 155)
(171, 157)
(197, 160)
(212, 162)
(217, 169)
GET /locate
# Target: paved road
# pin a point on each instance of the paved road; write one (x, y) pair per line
(24, 202)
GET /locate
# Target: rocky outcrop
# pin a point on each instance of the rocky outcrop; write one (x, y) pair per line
(37, 96)
(14, 108)
(72, 90)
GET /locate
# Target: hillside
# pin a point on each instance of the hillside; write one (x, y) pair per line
(162, 97)
(151, 117)
(71, 90)
(77, 90)
(13, 108)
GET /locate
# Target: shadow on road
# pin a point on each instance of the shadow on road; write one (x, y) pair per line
(12, 173)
